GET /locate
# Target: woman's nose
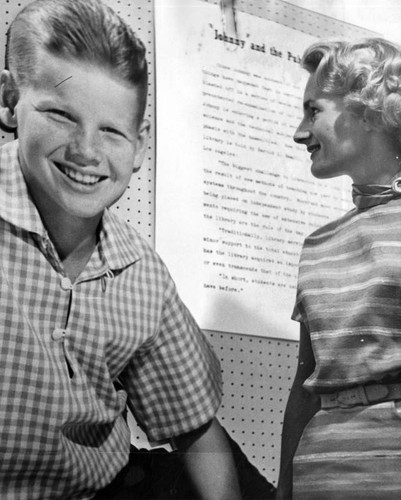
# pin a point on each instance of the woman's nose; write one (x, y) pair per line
(302, 133)
(84, 149)
(301, 136)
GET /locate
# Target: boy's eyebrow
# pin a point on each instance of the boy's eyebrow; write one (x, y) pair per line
(63, 81)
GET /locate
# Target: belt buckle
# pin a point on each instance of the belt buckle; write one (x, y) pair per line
(348, 398)
(376, 392)
(362, 395)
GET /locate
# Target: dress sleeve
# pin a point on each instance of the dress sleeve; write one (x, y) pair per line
(296, 314)
(174, 385)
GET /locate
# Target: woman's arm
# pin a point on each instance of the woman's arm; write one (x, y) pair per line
(301, 407)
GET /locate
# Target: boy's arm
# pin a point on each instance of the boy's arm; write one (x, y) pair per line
(208, 459)
(301, 407)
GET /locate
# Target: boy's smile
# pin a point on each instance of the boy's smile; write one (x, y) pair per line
(80, 139)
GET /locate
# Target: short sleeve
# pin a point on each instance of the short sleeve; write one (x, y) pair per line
(174, 385)
(296, 314)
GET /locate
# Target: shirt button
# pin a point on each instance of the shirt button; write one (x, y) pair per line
(66, 283)
(58, 334)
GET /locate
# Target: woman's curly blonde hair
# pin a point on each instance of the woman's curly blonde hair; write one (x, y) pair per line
(367, 74)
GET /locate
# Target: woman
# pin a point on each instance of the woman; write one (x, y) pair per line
(342, 426)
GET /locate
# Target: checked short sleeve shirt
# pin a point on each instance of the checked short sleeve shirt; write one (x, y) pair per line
(63, 345)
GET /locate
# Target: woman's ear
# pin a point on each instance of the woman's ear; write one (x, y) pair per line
(8, 101)
(370, 120)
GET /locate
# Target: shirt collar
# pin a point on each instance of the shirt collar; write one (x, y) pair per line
(370, 195)
(119, 246)
(16, 205)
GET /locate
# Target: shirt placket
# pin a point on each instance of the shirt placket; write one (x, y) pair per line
(60, 333)
(94, 269)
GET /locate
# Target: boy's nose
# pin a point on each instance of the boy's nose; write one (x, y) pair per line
(84, 150)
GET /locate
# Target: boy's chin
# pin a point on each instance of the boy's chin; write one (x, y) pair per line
(84, 214)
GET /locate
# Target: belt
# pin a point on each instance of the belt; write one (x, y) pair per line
(361, 395)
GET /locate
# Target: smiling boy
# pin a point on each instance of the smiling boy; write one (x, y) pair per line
(81, 138)
(85, 303)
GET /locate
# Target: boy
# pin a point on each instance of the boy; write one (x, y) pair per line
(89, 313)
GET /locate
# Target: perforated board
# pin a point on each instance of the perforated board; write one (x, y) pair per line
(257, 372)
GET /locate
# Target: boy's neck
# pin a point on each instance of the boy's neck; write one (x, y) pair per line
(74, 240)
(74, 263)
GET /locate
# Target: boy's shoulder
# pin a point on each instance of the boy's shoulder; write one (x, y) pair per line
(118, 229)
(124, 244)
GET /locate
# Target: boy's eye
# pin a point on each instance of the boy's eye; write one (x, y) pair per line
(60, 113)
(113, 131)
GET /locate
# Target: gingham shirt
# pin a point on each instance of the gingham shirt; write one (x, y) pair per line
(63, 345)
(348, 297)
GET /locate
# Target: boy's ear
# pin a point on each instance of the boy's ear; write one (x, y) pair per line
(141, 144)
(8, 101)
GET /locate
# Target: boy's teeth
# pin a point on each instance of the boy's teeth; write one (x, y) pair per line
(79, 177)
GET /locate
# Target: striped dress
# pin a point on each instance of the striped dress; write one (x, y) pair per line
(349, 300)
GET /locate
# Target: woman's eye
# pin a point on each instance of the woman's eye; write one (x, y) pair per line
(313, 112)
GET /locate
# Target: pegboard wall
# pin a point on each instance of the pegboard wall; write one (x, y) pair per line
(257, 372)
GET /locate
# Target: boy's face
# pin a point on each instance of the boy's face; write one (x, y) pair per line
(80, 139)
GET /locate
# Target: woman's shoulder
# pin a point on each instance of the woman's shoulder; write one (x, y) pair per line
(357, 227)
(333, 227)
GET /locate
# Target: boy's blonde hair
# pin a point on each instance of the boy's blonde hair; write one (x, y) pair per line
(83, 30)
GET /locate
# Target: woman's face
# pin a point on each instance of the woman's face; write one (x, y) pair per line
(336, 138)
